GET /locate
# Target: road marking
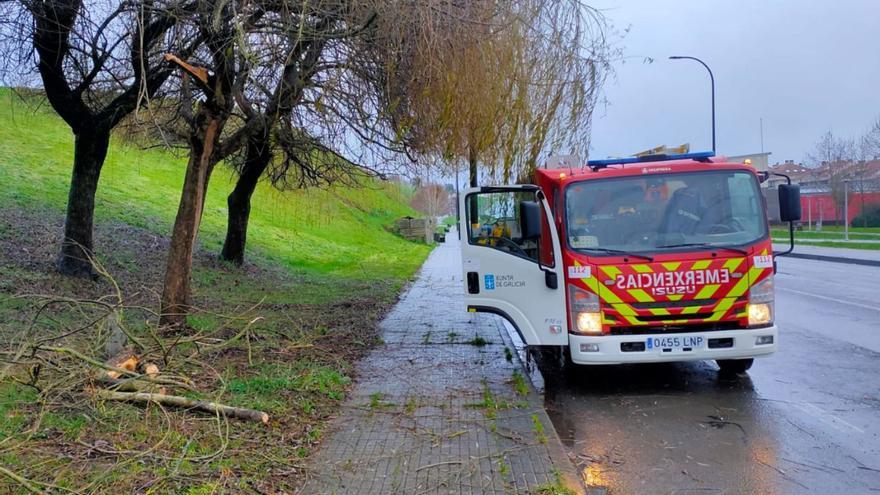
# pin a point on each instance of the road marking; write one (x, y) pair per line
(832, 299)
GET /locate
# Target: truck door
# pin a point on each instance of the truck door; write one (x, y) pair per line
(503, 231)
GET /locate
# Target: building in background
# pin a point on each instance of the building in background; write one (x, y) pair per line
(822, 189)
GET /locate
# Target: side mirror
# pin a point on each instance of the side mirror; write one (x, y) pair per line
(789, 202)
(530, 219)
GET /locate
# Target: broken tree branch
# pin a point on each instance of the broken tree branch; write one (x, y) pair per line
(185, 402)
(21, 481)
(122, 372)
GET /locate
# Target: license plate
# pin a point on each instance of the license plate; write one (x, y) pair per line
(688, 341)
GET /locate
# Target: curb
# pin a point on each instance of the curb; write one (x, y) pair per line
(568, 475)
(833, 259)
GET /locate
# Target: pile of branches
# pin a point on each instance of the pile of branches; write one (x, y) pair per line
(99, 358)
(128, 369)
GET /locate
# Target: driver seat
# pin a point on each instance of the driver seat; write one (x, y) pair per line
(683, 213)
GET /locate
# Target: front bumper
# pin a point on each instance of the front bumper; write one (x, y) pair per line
(610, 352)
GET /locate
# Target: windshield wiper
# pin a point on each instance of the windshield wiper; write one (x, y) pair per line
(622, 253)
(703, 244)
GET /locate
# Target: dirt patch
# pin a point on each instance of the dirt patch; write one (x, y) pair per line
(252, 343)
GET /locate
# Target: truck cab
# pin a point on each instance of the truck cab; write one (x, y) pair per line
(639, 260)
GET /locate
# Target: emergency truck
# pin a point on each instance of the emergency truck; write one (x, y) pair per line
(635, 260)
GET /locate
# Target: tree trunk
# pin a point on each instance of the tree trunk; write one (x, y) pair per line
(472, 173)
(472, 165)
(178, 272)
(90, 150)
(239, 200)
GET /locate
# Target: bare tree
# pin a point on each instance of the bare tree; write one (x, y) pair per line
(97, 61)
(273, 103)
(866, 148)
(327, 112)
(214, 77)
(432, 200)
(302, 51)
(872, 138)
(832, 157)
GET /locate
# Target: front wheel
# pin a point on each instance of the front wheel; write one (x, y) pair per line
(735, 366)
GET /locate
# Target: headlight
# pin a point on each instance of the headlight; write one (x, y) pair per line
(760, 314)
(586, 315)
(590, 323)
(761, 303)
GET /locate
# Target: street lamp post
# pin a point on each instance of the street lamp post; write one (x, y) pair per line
(846, 209)
(712, 79)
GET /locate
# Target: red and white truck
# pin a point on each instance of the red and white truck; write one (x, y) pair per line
(636, 260)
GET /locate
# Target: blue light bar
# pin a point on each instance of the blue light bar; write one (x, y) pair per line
(699, 156)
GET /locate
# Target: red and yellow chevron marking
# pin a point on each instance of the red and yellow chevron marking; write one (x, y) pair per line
(679, 292)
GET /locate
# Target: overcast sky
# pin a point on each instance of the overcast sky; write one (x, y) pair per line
(804, 66)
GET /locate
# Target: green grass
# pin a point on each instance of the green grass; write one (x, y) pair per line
(556, 487)
(832, 236)
(322, 262)
(871, 246)
(12, 396)
(852, 228)
(519, 384)
(327, 381)
(855, 234)
(339, 231)
(539, 429)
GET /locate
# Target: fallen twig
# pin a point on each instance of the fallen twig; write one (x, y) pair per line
(21, 481)
(437, 464)
(185, 402)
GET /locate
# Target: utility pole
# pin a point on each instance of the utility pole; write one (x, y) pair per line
(761, 122)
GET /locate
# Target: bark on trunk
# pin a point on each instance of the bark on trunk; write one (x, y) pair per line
(472, 167)
(472, 173)
(239, 201)
(90, 150)
(178, 272)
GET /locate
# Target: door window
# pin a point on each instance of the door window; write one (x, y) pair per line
(494, 222)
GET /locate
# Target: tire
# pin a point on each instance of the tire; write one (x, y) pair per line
(734, 366)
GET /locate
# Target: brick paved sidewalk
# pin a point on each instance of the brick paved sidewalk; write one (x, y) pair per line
(438, 407)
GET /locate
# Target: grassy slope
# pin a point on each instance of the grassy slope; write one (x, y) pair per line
(337, 231)
(321, 262)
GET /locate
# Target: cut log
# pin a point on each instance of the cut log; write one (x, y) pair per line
(151, 369)
(185, 402)
(126, 361)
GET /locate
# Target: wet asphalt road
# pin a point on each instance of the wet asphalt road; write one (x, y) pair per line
(804, 420)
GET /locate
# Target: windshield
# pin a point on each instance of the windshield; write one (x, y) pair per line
(660, 212)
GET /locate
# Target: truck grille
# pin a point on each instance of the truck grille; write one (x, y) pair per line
(674, 304)
(661, 329)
